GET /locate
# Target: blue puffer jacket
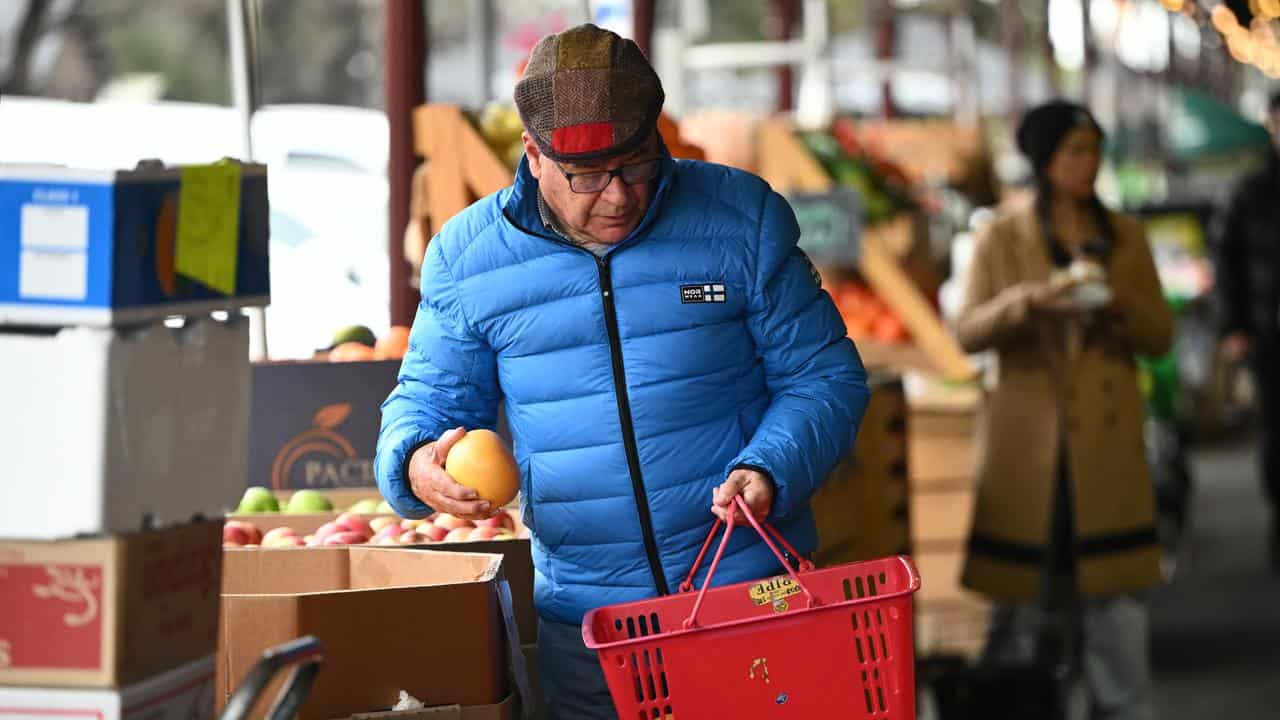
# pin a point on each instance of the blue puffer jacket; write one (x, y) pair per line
(633, 383)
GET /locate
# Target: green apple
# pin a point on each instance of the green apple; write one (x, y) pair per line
(367, 506)
(258, 500)
(384, 508)
(308, 501)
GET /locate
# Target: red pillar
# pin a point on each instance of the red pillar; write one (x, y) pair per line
(405, 85)
(787, 12)
(642, 25)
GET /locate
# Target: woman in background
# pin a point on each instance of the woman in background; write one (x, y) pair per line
(1065, 295)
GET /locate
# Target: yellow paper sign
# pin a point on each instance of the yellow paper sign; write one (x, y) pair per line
(774, 590)
(209, 225)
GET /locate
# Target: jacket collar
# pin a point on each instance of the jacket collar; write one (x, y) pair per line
(521, 206)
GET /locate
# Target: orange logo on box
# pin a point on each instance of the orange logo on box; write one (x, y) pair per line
(328, 459)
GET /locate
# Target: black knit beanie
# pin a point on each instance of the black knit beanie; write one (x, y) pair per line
(1044, 127)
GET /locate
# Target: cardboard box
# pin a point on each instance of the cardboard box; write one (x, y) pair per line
(861, 509)
(391, 619)
(113, 430)
(315, 424)
(517, 559)
(505, 710)
(108, 612)
(85, 247)
(184, 693)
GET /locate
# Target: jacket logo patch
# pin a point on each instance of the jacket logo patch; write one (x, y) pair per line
(709, 293)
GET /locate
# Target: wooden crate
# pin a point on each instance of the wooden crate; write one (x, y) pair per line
(862, 510)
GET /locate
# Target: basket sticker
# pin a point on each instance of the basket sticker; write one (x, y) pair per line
(774, 591)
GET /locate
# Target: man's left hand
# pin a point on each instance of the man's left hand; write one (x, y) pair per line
(754, 487)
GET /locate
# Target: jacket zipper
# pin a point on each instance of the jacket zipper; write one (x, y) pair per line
(628, 429)
(624, 406)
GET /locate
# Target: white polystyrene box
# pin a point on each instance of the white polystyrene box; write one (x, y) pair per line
(114, 429)
(183, 693)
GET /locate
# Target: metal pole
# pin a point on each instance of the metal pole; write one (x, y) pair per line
(480, 32)
(242, 41)
(406, 60)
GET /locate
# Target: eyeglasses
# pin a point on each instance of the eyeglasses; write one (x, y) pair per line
(593, 182)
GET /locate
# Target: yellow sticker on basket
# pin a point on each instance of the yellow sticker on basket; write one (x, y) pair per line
(774, 591)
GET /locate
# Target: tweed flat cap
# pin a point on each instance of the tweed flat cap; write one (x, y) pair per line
(587, 95)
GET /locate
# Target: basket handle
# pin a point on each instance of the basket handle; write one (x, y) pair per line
(768, 533)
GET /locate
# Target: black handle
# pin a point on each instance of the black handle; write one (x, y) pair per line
(306, 652)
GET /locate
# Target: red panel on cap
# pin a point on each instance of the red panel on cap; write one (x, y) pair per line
(582, 138)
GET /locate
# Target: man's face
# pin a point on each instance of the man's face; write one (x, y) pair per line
(606, 216)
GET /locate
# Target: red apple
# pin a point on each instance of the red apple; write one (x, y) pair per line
(501, 520)
(346, 537)
(386, 540)
(276, 536)
(288, 541)
(451, 522)
(408, 524)
(484, 533)
(229, 545)
(433, 533)
(505, 535)
(239, 531)
(378, 523)
(354, 523)
(389, 531)
(330, 528)
(409, 537)
(311, 541)
(461, 534)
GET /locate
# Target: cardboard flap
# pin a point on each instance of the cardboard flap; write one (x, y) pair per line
(277, 571)
(383, 568)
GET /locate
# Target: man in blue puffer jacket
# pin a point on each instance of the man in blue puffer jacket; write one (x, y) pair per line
(659, 342)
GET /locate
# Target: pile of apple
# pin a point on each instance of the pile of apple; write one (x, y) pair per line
(352, 529)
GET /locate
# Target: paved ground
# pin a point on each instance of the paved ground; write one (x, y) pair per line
(1216, 628)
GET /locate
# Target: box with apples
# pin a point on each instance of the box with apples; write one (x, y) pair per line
(108, 611)
(392, 619)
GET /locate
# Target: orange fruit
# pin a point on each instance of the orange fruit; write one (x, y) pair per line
(351, 352)
(393, 345)
(482, 462)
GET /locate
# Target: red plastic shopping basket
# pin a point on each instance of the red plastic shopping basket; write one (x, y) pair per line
(824, 643)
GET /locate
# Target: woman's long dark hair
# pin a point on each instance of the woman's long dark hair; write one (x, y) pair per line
(1098, 248)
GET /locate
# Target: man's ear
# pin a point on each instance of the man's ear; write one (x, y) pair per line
(533, 154)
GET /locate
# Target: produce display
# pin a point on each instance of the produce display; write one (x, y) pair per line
(865, 315)
(358, 343)
(883, 189)
(350, 528)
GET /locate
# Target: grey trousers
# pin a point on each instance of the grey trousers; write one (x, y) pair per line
(573, 685)
(1108, 641)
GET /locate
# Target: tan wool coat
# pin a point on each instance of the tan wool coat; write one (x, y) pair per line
(1046, 401)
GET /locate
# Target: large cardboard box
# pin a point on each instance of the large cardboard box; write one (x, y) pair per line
(391, 619)
(88, 247)
(315, 424)
(517, 556)
(183, 693)
(108, 612)
(112, 430)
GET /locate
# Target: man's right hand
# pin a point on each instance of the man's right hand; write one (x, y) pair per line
(433, 486)
(1236, 346)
